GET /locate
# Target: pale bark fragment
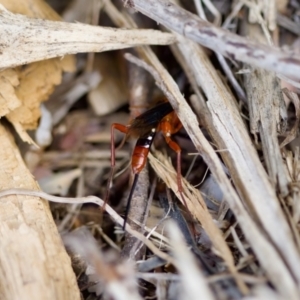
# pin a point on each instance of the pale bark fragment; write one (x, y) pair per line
(266, 108)
(222, 41)
(33, 261)
(35, 83)
(8, 98)
(24, 40)
(37, 79)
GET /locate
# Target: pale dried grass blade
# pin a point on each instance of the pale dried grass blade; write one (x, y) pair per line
(266, 254)
(267, 114)
(194, 284)
(53, 39)
(196, 205)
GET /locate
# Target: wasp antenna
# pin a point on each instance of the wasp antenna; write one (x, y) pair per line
(136, 176)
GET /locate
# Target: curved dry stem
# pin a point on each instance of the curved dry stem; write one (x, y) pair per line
(91, 199)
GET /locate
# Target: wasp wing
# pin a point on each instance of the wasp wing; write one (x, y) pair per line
(149, 119)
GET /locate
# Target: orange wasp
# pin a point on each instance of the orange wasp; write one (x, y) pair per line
(145, 126)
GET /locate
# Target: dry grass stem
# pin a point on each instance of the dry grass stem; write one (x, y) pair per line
(194, 284)
(53, 39)
(218, 39)
(90, 199)
(259, 82)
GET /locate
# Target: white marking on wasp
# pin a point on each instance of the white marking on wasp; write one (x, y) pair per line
(153, 129)
(150, 137)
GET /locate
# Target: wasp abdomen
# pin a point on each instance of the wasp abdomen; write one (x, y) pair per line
(141, 150)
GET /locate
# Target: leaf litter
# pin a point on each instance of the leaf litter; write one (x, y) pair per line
(241, 219)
